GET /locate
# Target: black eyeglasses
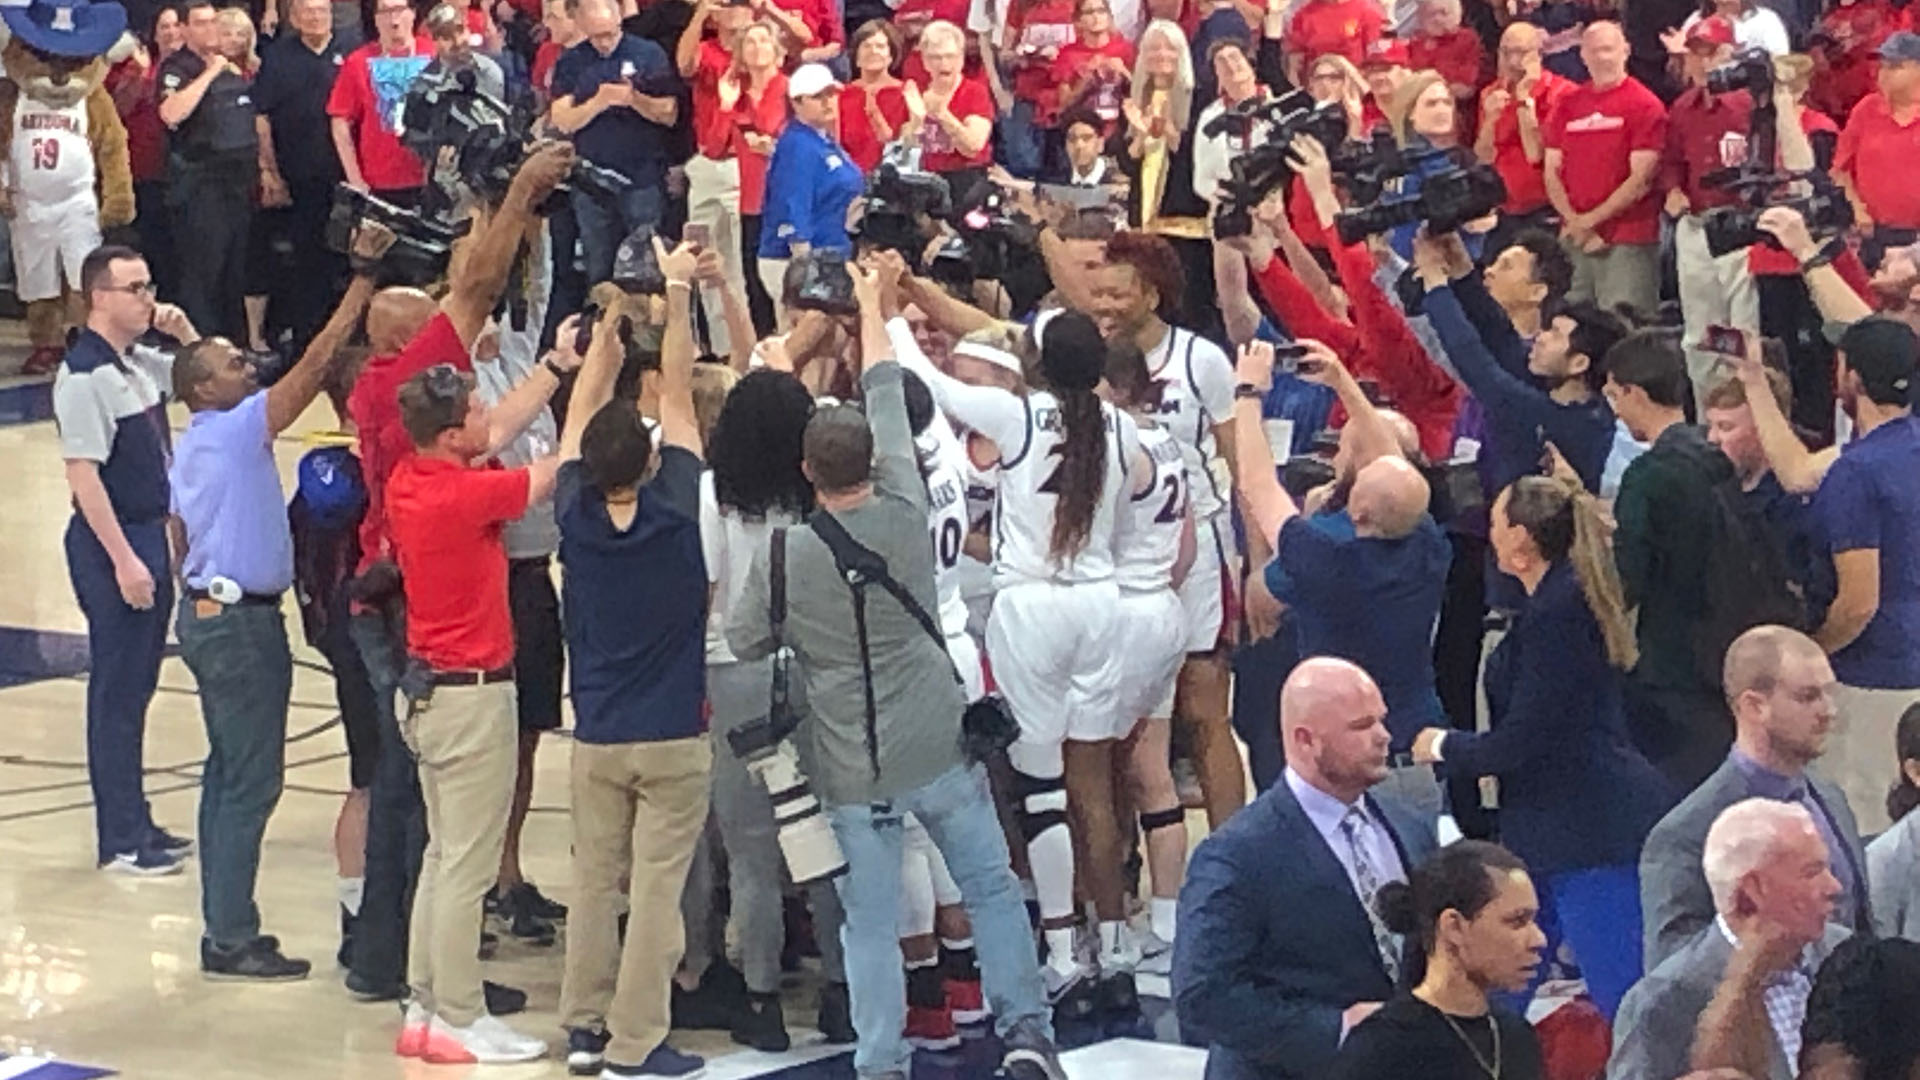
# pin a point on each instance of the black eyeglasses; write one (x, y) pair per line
(133, 288)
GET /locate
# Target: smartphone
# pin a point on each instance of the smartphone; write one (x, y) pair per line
(1287, 357)
(583, 335)
(1725, 340)
(698, 233)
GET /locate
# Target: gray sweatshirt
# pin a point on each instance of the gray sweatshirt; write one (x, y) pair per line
(917, 702)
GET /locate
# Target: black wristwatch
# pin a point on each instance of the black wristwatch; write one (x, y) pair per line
(1247, 390)
(547, 362)
(1828, 252)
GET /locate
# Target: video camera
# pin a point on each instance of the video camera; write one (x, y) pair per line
(1452, 188)
(902, 201)
(1260, 169)
(987, 237)
(1758, 183)
(421, 245)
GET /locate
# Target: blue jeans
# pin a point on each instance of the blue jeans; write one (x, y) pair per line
(396, 815)
(240, 659)
(602, 227)
(958, 814)
(1023, 143)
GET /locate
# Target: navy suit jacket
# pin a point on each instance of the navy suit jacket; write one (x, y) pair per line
(1273, 943)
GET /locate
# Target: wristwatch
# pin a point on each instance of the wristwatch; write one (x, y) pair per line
(1828, 252)
(547, 362)
(1247, 390)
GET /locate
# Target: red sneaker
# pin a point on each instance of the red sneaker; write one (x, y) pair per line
(412, 1042)
(966, 1002)
(44, 360)
(931, 1029)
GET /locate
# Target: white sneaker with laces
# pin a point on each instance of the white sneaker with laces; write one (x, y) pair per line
(1156, 956)
(486, 1041)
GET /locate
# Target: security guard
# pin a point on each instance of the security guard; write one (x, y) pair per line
(212, 169)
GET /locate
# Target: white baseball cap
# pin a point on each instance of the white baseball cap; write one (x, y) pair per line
(810, 79)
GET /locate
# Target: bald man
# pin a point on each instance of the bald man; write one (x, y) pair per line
(1364, 581)
(1781, 690)
(1513, 109)
(1280, 951)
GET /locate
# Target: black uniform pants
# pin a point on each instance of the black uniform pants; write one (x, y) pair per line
(212, 214)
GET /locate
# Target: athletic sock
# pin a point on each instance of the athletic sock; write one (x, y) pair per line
(1162, 914)
(350, 891)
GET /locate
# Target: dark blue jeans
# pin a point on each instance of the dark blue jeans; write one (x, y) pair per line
(602, 227)
(124, 646)
(396, 815)
(240, 658)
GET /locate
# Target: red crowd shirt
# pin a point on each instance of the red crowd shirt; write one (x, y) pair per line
(1771, 261)
(924, 11)
(1881, 155)
(447, 520)
(374, 405)
(1032, 28)
(136, 97)
(541, 71)
(371, 105)
(1595, 132)
(767, 116)
(938, 154)
(1459, 58)
(822, 19)
(857, 135)
(712, 135)
(1103, 96)
(1342, 27)
(1525, 180)
(1847, 70)
(1705, 132)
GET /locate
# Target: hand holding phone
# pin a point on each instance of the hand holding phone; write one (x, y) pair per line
(1725, 341)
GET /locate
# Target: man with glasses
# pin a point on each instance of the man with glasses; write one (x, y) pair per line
(1514, 110)
(109, 406)
(365, 107)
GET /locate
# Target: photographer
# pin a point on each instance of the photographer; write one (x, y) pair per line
(617, 96)
(635, 601)
(885, 718)
(1878, 148)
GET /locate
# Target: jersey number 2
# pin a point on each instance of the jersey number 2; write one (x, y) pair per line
(1170, 513)
(46, 153)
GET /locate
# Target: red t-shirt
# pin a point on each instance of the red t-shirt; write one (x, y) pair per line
(921, 12)
(1881, 155)
(857, 135)
(374, 405)
(1342, 27)
(542, 70)
(938, 154)
(136, 97)
(1103, 95)
(1763, 259)
(768, 117)
(1525, 180)
(1595, 132)
(821, 17)
(1705, 132)
(371, 105)
(714, 137)
(447, 520)
(1847, 69)
(1031, 29)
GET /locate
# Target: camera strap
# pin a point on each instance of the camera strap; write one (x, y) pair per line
(779, 701)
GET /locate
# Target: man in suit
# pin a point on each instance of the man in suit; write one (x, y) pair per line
(1773, 893)
(1781, 689)
(1280, 952)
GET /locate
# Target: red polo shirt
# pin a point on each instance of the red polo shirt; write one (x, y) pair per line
(857, 134)
(1705, 132)
(1882, 156)
(1342, 27)
(374, 405)
(938, 154)
(1596, 131)
(1771, 261)
(447, 520)
(713, 137)
(1525, 180)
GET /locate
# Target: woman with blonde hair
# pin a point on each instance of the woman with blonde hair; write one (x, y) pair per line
(1158, 161)
(1559, 742)
(237, 40)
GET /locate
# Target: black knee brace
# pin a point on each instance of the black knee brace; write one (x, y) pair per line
(1041, 803)
(1162, 819)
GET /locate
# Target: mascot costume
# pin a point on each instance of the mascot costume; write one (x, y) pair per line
(66, 170)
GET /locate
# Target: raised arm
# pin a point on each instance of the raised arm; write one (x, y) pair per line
(896, 468)
(679, 426)
(478, 279)
(289, 397)
(686, 51)
(1798, 469)
(1267, 504)
(994, 413)
(178, 103)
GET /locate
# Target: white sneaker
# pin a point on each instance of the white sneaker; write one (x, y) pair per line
(1156, 956)
(486, 1041)
(146, 862)
(1121, 960)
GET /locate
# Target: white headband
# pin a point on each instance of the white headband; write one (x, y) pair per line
(999, 358)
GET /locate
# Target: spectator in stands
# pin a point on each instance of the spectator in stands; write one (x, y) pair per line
(365, 107)
(635, 602)
(714, 174)
(1753, 26)
(135, 86)
(617, 97)
(1343, 27)
(1847, 52)
(811, 181)
(1561, 23)
(1856, 1022)
(1604, 144)
(1385, 67)
(753, 110)
(237, 565)
(1881, 139)
(873, 107)
(1869, 512)
(1679, 718)
(953, 111)
(1269, 979)
(1439, 43)
(1781, 690)
(1893, 858)
(1087, 164)
(1558, 742)
(812, 30)
(1469, 918)
(1765, 863)
(1093, 69)
(562, 33)
(1238, 88)
(299, 169)
(1514, 111)
(1019, 67)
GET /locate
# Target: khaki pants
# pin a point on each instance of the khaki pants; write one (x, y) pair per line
(1861, 756)
(1617, 274)
(713, 200)
(467, 743)
(1713, 292)
(637, 807)
(773, 278)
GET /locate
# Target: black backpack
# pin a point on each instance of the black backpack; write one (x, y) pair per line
(1747, 581)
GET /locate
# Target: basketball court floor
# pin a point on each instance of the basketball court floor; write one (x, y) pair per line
(99, 974)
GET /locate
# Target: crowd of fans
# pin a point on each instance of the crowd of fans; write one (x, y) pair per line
(988, 419)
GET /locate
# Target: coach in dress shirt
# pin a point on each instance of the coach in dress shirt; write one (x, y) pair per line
(1282, 952)
(1780, 686)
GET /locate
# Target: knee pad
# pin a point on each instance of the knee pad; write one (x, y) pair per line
(1162, 819)
(1040, 803)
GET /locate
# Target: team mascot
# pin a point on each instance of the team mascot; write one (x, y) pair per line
(66, 174)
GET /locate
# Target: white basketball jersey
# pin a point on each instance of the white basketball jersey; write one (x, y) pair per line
(1198, 395)
(947, 521)
(1149, 540)
(1023, 516)
(51, 159)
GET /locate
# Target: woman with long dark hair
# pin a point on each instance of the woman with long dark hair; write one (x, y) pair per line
(1893, 859)
(1468, 914)
(1066, 461)
(1559, 742)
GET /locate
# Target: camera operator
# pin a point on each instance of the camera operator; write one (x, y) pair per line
(212, 170)
(1878, 148)
(1240, 90)
(409, 333)
(885, 718)
(617, 96)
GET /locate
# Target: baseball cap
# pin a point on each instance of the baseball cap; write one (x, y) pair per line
(1387, 52)
(810, 79)
(1885, 354)
(1713, 30)
(1903, 46)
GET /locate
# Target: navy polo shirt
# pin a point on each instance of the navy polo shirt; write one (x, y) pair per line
(634, 606)
(620, 139)
(110, 409)
(1870, 499)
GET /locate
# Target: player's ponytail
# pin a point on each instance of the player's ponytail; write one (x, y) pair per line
(1072, 360)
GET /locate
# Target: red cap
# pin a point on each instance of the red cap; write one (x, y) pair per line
(1387, 52)
(1712, 30)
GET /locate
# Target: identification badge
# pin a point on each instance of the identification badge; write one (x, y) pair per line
(626, 69)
